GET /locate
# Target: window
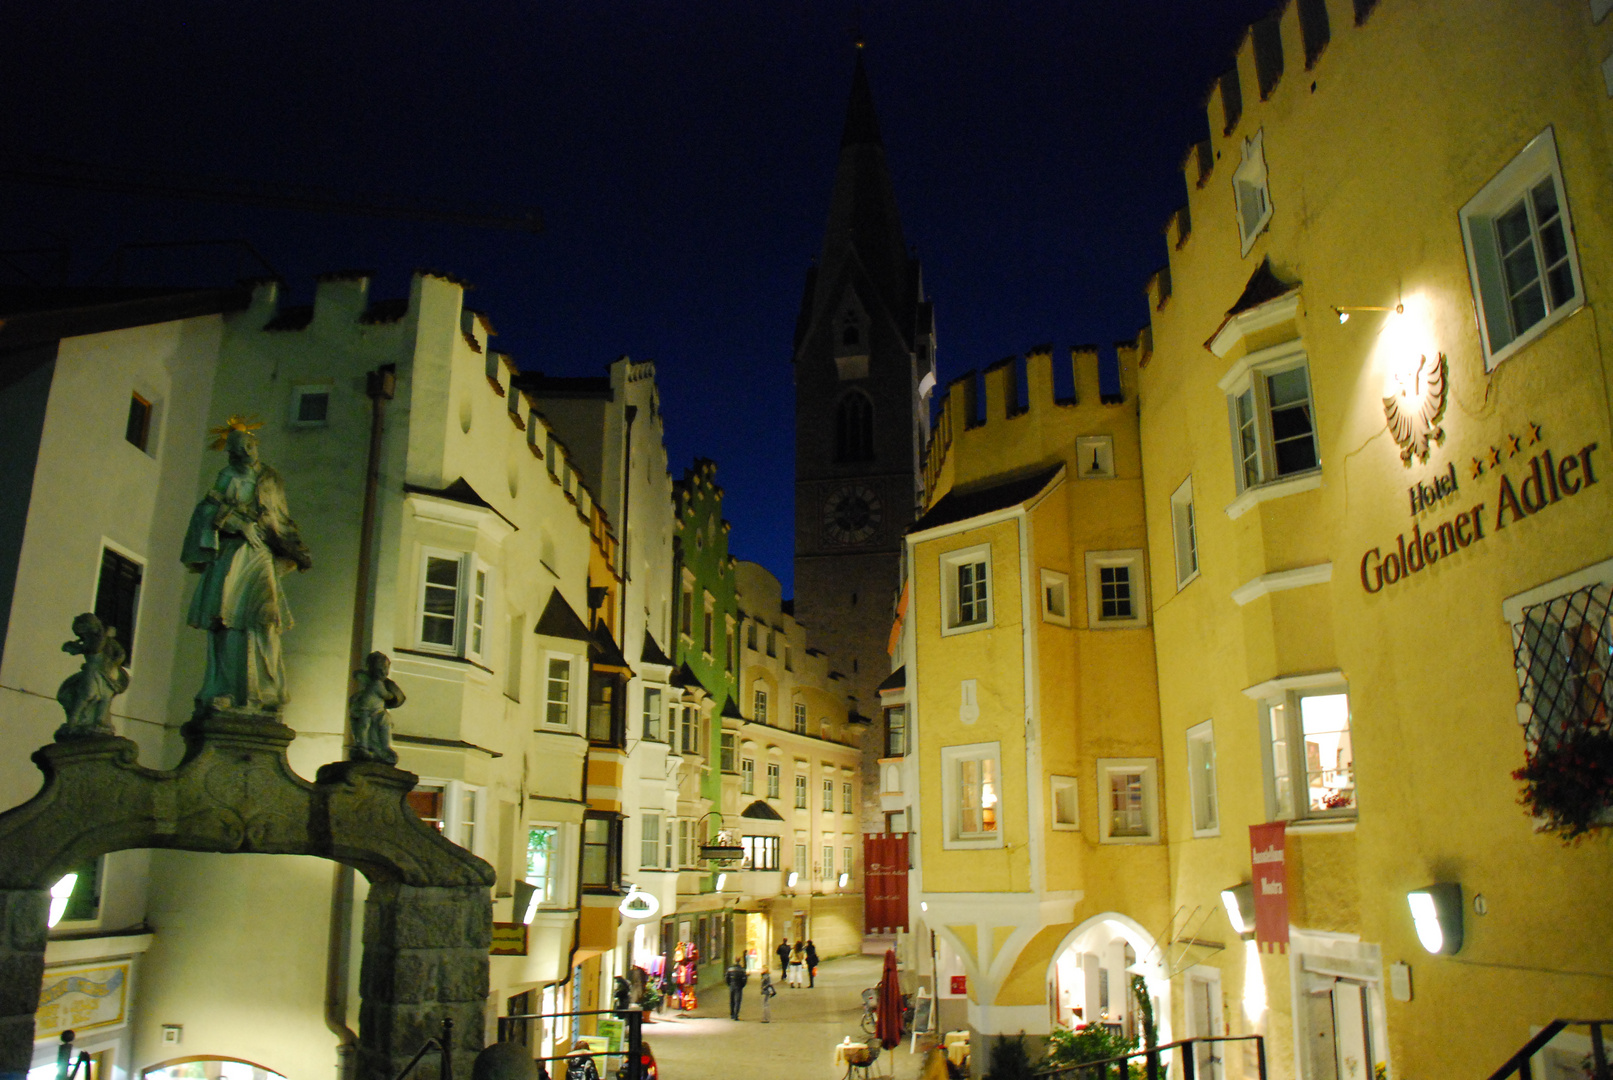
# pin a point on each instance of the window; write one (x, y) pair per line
(557, 701)
(730, 646)
(685, 834)
(1249, 188)
(1309, 763)
(827, 869)
(606, 718)
(789, 659)
(845, 798)
(1201, 779)
(453, 604)
(800, 718)
(708, 642)
(772, 641)
(1065, 803)
(1273, 423)
(686, 623)
(84, 901)
(666, 844)
(1056, 597)
(652, 714)
(750, 636)
(649, 841)
(514, 655)
(759, 706)
(966, 595)
(1520, 251)
(896, 731)
(747, 776)
(601, 851)
(854, 428)
(450, 807)
(1128, 794)
(1116, 593)
(1184, 534)
(310, 405)
(828, 795)
(726, 752)
(772, 780)
(800, 865)
(117, 596)
(800, 791)
(845, 862)
(691, 731)
(972, 795)
(761, 852)
(138, 428)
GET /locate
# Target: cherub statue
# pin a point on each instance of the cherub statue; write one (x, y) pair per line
(87, 695)
(241, 540)
(367, 708)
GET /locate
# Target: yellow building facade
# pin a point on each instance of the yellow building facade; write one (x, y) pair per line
(1374, 402)
(1033, 779)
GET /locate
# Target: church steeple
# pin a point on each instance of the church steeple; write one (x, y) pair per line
(863, 245)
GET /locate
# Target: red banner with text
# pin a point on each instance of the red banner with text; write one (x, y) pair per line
(884, 882)
(1267, 857)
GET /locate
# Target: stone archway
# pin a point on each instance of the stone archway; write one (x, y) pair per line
(427, 922)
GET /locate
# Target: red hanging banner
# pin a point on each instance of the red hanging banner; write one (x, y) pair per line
(1267, 857)
(884, 882)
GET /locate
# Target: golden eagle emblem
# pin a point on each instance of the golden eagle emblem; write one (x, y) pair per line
(1414, 408)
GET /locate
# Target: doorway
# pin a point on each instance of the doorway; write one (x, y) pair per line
(1339, 1019)
(1204, 1019)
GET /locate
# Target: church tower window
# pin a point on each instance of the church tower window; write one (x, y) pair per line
(854, 428)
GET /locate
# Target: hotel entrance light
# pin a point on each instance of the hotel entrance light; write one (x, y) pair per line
(1436, 911)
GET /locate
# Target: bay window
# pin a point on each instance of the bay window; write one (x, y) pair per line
(453, 604)
(601, 851)
(1306, 747)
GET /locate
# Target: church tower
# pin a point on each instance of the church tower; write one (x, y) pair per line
(864, 368)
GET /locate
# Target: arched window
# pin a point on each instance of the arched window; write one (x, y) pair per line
(849, 335)
(854, 428)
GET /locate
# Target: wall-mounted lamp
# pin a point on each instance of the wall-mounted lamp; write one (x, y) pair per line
(1436, 911)
(845, 879)
(722, 880)
(526, 901)
(1240, 904)
(924, 905)
(1344, 312)
(792, 879)
(60, 894)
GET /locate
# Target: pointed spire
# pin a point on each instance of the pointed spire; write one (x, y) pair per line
(862, 126)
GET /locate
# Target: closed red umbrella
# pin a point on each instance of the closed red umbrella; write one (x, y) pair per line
(888, 1012)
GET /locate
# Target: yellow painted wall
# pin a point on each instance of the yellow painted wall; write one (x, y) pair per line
(1371, 153)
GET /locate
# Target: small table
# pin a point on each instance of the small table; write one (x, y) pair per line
(956, 1044)
(856, 1057)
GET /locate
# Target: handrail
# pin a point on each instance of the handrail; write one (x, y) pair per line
(444, 1044)
(1151, 1058)
(1518, 1064)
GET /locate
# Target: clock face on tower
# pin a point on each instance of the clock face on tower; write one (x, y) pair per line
(851, 514)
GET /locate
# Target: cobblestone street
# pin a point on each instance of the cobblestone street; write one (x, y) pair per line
(798, 1043)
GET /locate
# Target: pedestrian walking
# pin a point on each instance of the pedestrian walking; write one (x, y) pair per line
(736, 978)
(797, 977)
(768, 990)
(811, 963)
(783, 951)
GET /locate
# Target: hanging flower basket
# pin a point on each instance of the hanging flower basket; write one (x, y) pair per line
(1569, 784)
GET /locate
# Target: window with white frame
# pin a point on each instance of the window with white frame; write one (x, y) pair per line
(453, 604)
(1065, 803)
(761, 852)
(845, 797)
(966, 589)
(1273, 421)
(543, 861)
(800, 718)
(828, 795)
(691, 730)
(451, 807)
(759, 706)
(1117, 594)
(827, 869)
(652, 713)
(1128, 794)
(1056, 597)
(649, 840)
(845, 862)
(667, 855)
(1201, 788)
(800, 791)
(725, 752)
(1520, 251)
(686, 834)
(772, 780)
(800, 865)
(747, 776)
(1308, 759)
(1251, 191)
(310, 405)
(971, 800)
(557, 693)
(1184, 534)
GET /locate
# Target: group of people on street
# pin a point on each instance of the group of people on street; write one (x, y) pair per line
(799, 963)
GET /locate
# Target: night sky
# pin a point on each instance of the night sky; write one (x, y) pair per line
(681, 155)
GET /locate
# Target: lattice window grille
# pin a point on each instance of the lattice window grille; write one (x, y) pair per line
(1563, 650)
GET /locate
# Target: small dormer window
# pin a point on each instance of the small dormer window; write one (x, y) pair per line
(1249, 188)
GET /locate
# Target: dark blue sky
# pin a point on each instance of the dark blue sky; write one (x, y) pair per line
(681, 154)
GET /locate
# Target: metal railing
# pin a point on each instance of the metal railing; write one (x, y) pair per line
(632, 1015)
(66, 1067)
(443, 1044)
(1519, 1064)
(1101, 1070)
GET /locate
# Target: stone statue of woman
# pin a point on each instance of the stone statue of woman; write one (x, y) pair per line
(241, 540)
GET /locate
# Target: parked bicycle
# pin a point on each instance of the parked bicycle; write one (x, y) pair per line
(870, 1018)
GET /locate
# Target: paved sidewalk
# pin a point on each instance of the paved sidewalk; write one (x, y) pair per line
(799, 1043)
